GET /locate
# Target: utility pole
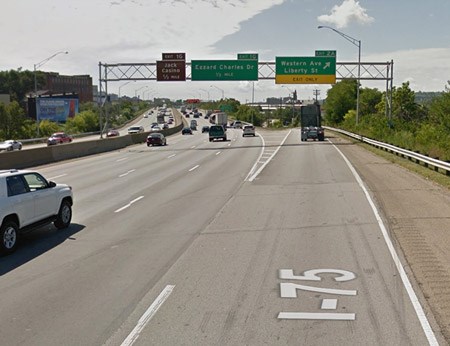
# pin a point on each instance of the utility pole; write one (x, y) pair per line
(316, 93)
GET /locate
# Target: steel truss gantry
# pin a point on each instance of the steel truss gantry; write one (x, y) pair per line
(370, 71)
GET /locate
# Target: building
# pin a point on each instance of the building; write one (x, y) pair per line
(79, 84)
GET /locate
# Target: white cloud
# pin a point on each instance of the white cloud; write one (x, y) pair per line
(349, 11)
(425, 69)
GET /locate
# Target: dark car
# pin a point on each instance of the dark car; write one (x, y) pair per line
(217, 132)
(205, 129)
(156, 139)
(186, 131)
(59, 138)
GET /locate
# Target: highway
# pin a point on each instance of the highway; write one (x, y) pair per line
(254, 241)
(139, 121)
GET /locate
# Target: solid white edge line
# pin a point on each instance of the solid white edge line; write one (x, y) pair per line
(409, 289)
(148, 315)
(259, 158)
(195, 167)
(269, 159)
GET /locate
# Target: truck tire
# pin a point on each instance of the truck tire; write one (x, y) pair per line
(9, 235)
(64, 215)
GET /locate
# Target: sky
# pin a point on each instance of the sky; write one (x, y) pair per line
(414, 34)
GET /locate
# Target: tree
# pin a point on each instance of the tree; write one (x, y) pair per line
(440, 109)
(369, 99)
(47, 127)
(12, 117)
(340, 99)
(404, 105)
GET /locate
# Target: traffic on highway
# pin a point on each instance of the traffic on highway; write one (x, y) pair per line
(247, 240)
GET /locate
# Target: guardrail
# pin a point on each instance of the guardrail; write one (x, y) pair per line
(410, 155)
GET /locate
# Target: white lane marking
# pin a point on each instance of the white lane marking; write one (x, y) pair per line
(195, 167)
(259, 158)
(409, 289)
(171, 156)
(269, 159)
(125, 174)
(57, 176)
(316, 316)
(193, 147)
(329, 304)
(129, 204)
(218, 152)
(148, 315)
(229, 144)
(122, 159)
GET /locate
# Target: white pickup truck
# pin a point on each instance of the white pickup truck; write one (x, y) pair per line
(28, 201)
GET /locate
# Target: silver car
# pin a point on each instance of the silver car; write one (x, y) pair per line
(10, 145)
(135, 129)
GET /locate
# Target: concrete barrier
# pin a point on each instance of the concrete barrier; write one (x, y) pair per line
(45, 155)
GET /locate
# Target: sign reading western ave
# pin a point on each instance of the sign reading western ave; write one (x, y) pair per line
(212, 70)
(305, 70)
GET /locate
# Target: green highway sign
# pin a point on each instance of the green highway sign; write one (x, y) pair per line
(305, 70)
(247, 56)
(213, 70)
(325, 53)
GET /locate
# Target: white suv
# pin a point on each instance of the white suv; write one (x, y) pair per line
(248, 130)
(27, 201)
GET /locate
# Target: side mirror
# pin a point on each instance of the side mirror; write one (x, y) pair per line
(51, 184)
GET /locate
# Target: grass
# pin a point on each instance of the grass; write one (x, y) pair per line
(428, 173)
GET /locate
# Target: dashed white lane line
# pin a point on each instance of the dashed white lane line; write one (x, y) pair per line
(57, 176)
(193, 146)
(259, 158)
(129, 204)
(173, 155)
(122, 159)
(148, 315)
(126, 173)
(218, 153)
(269, 159)
(229, 144)
(195, 167)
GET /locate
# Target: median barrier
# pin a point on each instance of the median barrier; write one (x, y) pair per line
(26, 158)
(45, 155)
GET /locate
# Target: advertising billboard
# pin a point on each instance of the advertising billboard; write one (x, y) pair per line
(57, 109)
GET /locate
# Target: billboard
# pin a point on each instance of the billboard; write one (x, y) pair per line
(57, 109)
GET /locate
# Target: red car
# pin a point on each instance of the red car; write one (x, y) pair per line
(59, 138)
(113, 133)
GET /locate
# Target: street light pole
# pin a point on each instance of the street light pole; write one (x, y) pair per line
(357, 43)
(135, 92)
(206, 92)
(223, 92)
(36, 66)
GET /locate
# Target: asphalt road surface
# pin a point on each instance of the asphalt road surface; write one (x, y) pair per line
(262, 240)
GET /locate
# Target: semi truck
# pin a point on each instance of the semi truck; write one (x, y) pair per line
(219, 118)
(311, 123)
(222, 119)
